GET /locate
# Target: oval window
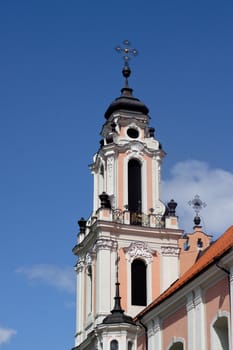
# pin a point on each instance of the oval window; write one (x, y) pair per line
(133, 133)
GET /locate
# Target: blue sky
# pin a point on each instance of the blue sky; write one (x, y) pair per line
(58, 73)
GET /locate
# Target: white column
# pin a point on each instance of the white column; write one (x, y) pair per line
(144, 186)
(154, 335)
(80, 302)
(191, 321)
(110, 175)
(154, 181)
(200, 326)
(95, 194)
(149, 279)
(103, 248)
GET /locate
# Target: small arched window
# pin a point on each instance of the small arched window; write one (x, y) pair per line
(177, 346)
(138, 283)
(220, 335)
(114, 345)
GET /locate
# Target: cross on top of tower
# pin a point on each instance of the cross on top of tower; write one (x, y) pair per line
(197, 204)
(127, 52)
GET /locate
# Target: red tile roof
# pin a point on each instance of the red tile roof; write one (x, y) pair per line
(215, 251)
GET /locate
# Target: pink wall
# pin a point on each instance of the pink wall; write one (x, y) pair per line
(175, 325)
(123, 278)
(216, 298)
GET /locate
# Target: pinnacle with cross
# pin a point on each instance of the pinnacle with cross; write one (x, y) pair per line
(127, 53)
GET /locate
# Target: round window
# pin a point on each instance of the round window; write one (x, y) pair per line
(133, 133)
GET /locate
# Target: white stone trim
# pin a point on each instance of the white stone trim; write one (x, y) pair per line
(110, 174)
(170, 251)
(154, 334)
(190, 308)
(105, 244)
(200, 326)
(176, 340)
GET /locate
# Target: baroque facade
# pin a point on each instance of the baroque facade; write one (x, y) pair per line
(141, 283)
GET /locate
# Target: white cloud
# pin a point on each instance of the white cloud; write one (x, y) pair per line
(60, 277)
(215, 188)
(6, 334)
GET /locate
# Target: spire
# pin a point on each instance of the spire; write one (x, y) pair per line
(126, 101)
(117, 313)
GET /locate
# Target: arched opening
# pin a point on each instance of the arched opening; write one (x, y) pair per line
(138, 283)
(177, 346)
(114, 345)
(134, 191)
(220, 334)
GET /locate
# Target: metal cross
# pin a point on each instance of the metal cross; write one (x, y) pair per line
(126, 51)
(197, 204)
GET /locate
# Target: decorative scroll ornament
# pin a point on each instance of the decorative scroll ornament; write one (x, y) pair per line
(88, 259)
(107, 244)
(117, 215)
(110, 161)
(137, 147)
(170, 251)
(139, 250)
(80, 265)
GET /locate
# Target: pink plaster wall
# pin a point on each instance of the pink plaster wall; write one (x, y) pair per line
(175, 325)
(216, 298)
(123, 279)
(120, 183)
(141, 342)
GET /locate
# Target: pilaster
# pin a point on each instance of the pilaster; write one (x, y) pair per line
(154, 334)
(200, 325)
(191, 321)
(105, 269)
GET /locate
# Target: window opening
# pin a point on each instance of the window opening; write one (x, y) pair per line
(177, 346)
(220, 327)
(134, 191)
(138, 283)
(130, 345)
(114, 345)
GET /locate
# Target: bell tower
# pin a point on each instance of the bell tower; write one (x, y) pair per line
(130, 228)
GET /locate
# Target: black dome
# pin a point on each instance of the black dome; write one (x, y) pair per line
(126, 102)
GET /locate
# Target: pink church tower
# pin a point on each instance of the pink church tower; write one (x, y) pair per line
(130, 229)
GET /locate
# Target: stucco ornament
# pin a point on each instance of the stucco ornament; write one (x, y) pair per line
(170, 251)
(139, 250)
(102, 243)
(137, 147)
(80, 265)
(159, 208)
(88, 259)
(110, 162)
